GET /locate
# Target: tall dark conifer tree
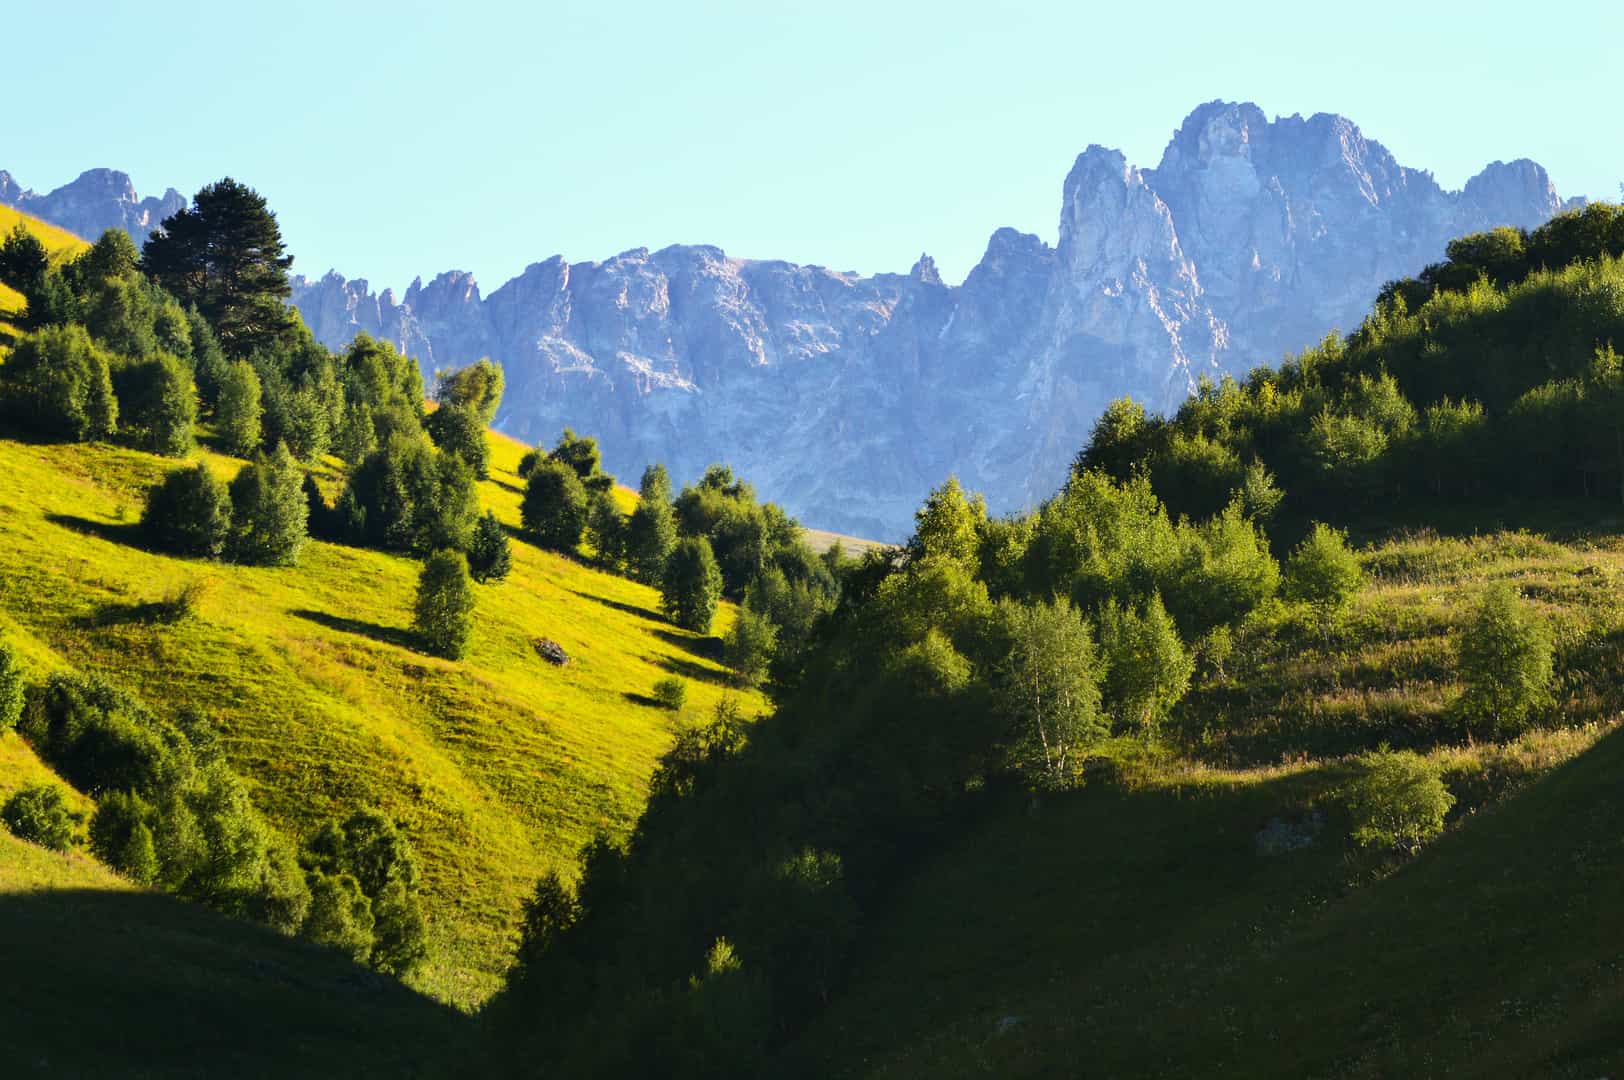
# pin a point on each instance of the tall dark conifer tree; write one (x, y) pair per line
(225, 255)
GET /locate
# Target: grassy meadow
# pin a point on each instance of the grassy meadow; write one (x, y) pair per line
(499, 766)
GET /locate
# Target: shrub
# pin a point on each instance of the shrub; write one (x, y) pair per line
(159, 404)
(748, 646)
(1505, 660)
(407, 496)
(269, 514)
(651, 533)
(1322, 571)
(40, 815)
(1147, 669)
(1397, 801)
(457, 430)
(121, 836)
(476, 388)
(340, 915)
(58, 384)
(606, 529)
(238, 413)
(188, 513)
(11, 688)
(490, 554)
(555, 506)
(671, 694)
(1049, 686)
(444, 615)
(692, 588)
(370, 848)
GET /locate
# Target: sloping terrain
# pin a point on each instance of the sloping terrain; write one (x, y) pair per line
(499, 767)
(57, 241)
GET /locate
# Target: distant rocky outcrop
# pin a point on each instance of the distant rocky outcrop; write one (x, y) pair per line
(847, 398)
(100, 199)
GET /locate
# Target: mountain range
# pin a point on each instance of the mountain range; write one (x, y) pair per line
(847, 397)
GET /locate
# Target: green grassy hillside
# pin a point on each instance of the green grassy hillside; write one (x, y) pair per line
(499, 766)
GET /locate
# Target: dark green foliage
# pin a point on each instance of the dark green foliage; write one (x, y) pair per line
(11, 687)
(208, 359)
(224, 254)
(457, 430)
(39, 814)
(388, 383)
(555, 506)
(476, 388)
(188, 513)
(158, 404)
(120, 313)
(369, 848)
(111, 257)
(606, 529)
(549, 912)
(340, 915)
(692, 588)
(671, 694)
(1505, 659)
(443, 616)
(238, 410)
(269, 514)
(748, 647)
(121, 835)
(651, 532)
(407, 496)
(301, 404)
(23, 260)
(490, 554)
(580, 454)
(100, 739)
(57, 383)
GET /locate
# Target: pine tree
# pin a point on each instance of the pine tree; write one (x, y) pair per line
(225, 255)
(237, 414)
(444, 614)
(269, 515)
(490, 554)
(606, 529)
(692, 588)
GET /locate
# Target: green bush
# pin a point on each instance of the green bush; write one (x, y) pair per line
(490, 554)
(121, 836)
(340, 915)
(1323, 572)
(369, 847)
(671, 694)
(11, 688)
(457, 430)
(158, 403)
(748, 645)
(692, 587)
(57, 383)
(40, 815)
(407, 496)
(269, 513)
(239, 412)
(1397, 801)
(555, 506)
(1505, 659)
(188, 512)
(444, 614)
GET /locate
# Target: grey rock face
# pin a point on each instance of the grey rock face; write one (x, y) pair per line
(100, 199)
(847, 398)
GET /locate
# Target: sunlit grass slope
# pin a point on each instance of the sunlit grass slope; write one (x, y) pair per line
(59, 242)
(499, 766)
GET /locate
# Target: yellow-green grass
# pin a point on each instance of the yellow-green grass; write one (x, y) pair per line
(499, 766)
(820, 541)
(1385, 669)
(59, 243)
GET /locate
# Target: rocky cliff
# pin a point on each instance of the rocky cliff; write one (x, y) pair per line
(98, 200)
(847, 397)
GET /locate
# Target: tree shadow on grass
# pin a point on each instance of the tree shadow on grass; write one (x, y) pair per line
(141, 613)
(129, 535)
(389, 635)
(499, 482)
(641, 699)
(706, 648)
(630, 609)
(676, 665)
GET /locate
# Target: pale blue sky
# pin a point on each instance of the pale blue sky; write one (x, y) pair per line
(410, 138)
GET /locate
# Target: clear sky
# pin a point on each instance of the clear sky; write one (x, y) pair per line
(404, 139)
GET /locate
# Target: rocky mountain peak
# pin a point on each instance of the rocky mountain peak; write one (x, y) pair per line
(924, 271)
